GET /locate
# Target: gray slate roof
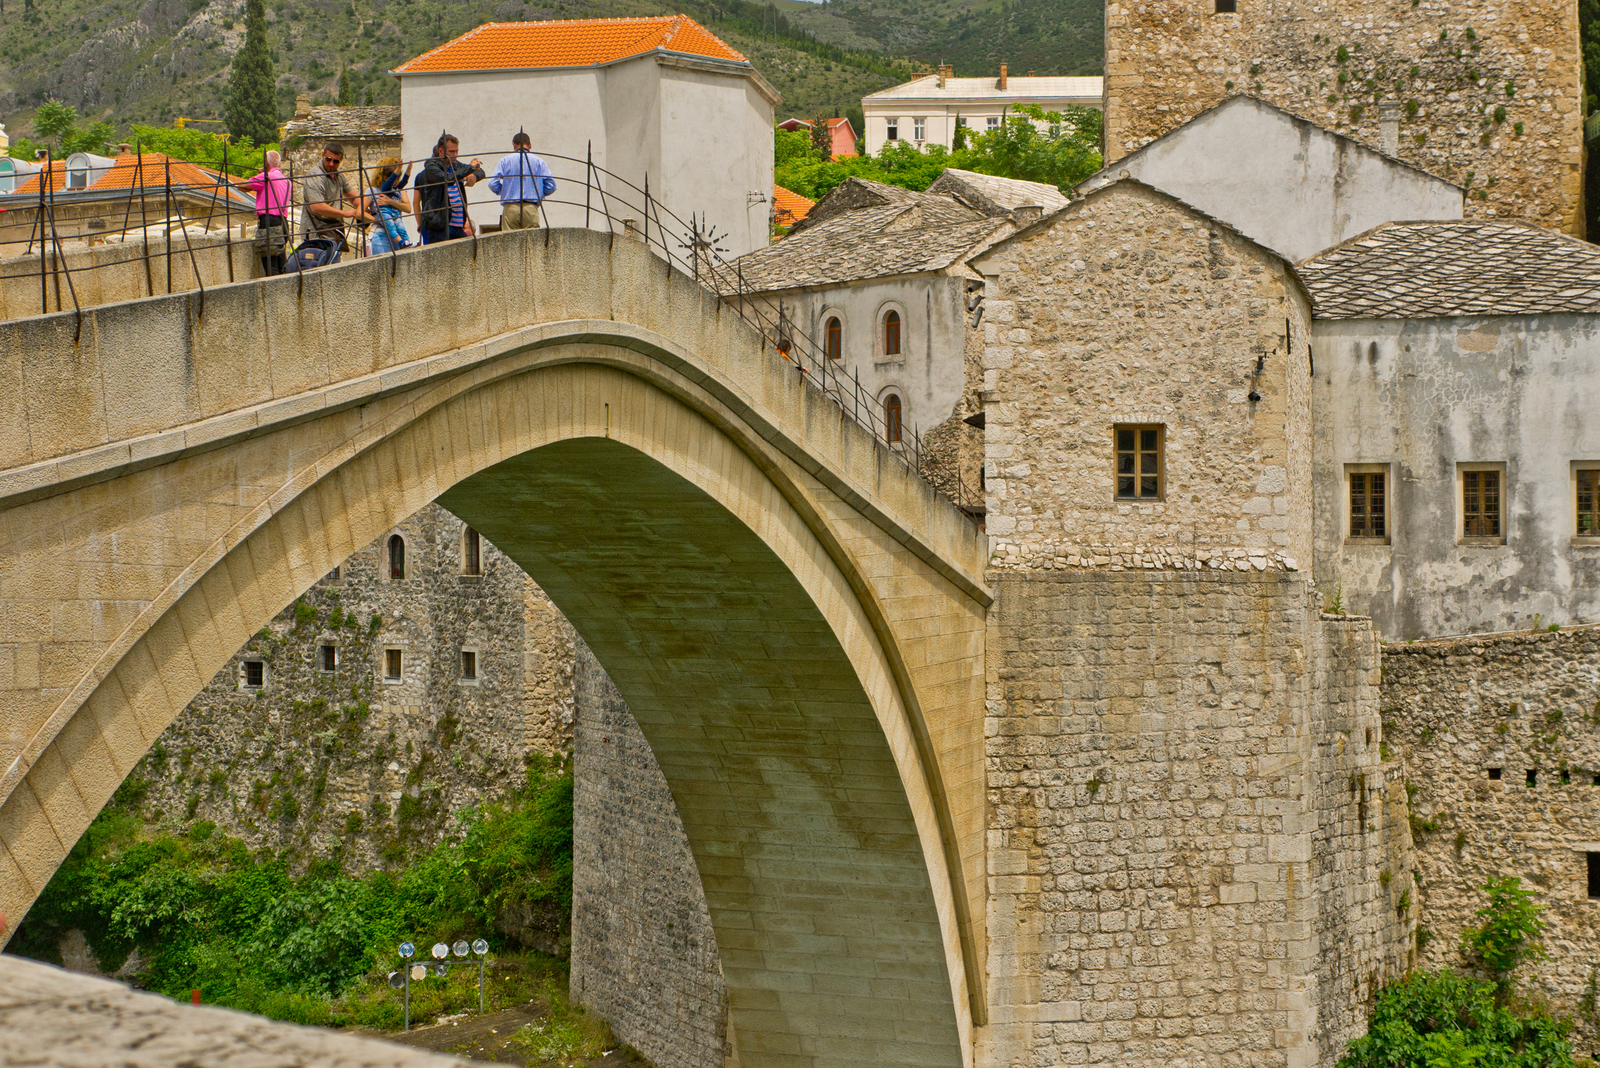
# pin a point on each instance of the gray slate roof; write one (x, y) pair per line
(855, 193)
(1439, 269)
(862, 244)
(996, 196)
(352, 123)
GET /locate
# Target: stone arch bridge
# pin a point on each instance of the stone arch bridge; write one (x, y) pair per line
(795, 618)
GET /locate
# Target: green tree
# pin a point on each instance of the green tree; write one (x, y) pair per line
(198, 146)
(1058, 148)
(1509, 934)
(52, 119)
(1446, 1020)
(347, 92)
(251, 109)
(821, 137)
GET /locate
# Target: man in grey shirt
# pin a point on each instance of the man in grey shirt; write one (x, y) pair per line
(326, 193)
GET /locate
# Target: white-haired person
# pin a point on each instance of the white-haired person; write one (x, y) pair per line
(273, 200)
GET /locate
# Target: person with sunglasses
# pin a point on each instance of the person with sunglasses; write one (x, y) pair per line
(326, 192)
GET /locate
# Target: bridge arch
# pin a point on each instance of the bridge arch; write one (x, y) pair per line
(739, 601)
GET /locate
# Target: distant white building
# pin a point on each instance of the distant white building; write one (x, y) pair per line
(926, 111)
(658, 97)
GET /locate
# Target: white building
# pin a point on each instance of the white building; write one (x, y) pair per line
(657, 97)
(1281, 180)
(926, 111)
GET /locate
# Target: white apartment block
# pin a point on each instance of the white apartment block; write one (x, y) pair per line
(926, 111)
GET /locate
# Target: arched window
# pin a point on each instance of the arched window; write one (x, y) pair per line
(834, 334)
(891, 416)
(397, 558)
(471, 553)
(891, 335)
(78, 171)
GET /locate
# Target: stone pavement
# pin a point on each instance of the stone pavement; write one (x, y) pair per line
(53, 1017)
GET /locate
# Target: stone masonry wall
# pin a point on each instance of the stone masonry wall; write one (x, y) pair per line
(1520, 703)
(1129, 307)
(644, 954)
(1485, 93)
(1177, 878)
(346, 763)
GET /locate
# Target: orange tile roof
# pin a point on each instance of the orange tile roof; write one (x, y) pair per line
(128, 172)
(789, 207)
(569, 43)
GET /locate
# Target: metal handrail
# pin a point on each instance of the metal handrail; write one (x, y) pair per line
(687, 246)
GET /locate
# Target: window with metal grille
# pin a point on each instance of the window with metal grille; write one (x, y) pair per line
(834, 338)
(469, 664)
(330, 657)
(1480, 504)
(471, 552)
(1138, 462)
(891, 334)
(255, 674)
(891, 417)
(393, 664)
(397, 558)
(1368, 511)
(1588, 502)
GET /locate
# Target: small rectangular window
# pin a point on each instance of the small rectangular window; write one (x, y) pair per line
(330, 657)
(332, 576)
(1533, 776)
(1139, 462)
(1566, 776)
(1494, 774)
(1369, 499)
(919, 129)
(1227, 7)
(1588, 480)
(255, 674)
(471, 553)
(993, 122)
(393, 664)
(1594, 876)
(469, 664)
(893, 132)
(1482, 502)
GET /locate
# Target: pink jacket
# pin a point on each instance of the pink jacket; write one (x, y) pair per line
(276, 187)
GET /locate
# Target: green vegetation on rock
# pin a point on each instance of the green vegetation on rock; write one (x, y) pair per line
(201, 912)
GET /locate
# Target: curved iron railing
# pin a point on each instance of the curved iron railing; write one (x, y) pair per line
(608, 201)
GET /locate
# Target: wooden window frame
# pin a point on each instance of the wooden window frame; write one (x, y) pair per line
(833, 335)
(892, 317)
(322, 657)
(477, 666)
(389, 569)
(1579, 468)
(399, 660)
(1139, 450)
(894, 430)
(1351, 471)
(1475, 468)
(471, 553)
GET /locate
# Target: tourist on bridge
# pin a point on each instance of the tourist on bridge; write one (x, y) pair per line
(389, 201)
(442, 192)
(326, 192)
(522, 180)
(273, 198)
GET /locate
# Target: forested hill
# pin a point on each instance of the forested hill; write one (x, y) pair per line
(151, 61)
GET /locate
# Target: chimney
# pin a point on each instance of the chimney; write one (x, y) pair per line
(1002, 84)
(124, 149)
(945, 71)
(302, 106)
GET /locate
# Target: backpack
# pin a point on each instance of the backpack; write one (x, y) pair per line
(313, 252)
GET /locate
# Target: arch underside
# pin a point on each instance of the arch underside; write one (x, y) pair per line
(724, 621)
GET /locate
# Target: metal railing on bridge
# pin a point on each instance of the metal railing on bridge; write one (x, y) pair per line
(608, 201)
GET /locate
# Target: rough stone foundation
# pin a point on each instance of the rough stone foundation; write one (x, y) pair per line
(1525, 704)
(644, 954)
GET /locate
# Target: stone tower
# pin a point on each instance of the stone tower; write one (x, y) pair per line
(1486, 93)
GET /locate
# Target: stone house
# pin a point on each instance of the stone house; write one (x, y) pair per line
(657, 101)
(1457, 449)
(368, 134)
(926, 110)
(1485, 94)
(1282, 180)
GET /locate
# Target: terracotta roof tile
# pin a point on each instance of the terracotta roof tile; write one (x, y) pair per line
(570, 43)
(128, 172)
(1417, 270)
(789, 207)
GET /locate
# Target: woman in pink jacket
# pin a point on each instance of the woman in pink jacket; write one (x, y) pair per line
(273, 202)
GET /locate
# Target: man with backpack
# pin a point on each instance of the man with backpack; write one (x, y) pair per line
(442, 193)
(522, 180)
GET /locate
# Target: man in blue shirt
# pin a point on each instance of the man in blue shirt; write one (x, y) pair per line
(522, 180)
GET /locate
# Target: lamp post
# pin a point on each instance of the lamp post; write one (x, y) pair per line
(419, 970)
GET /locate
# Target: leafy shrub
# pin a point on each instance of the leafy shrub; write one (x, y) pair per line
(1509, 935)
(1446, 1020)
